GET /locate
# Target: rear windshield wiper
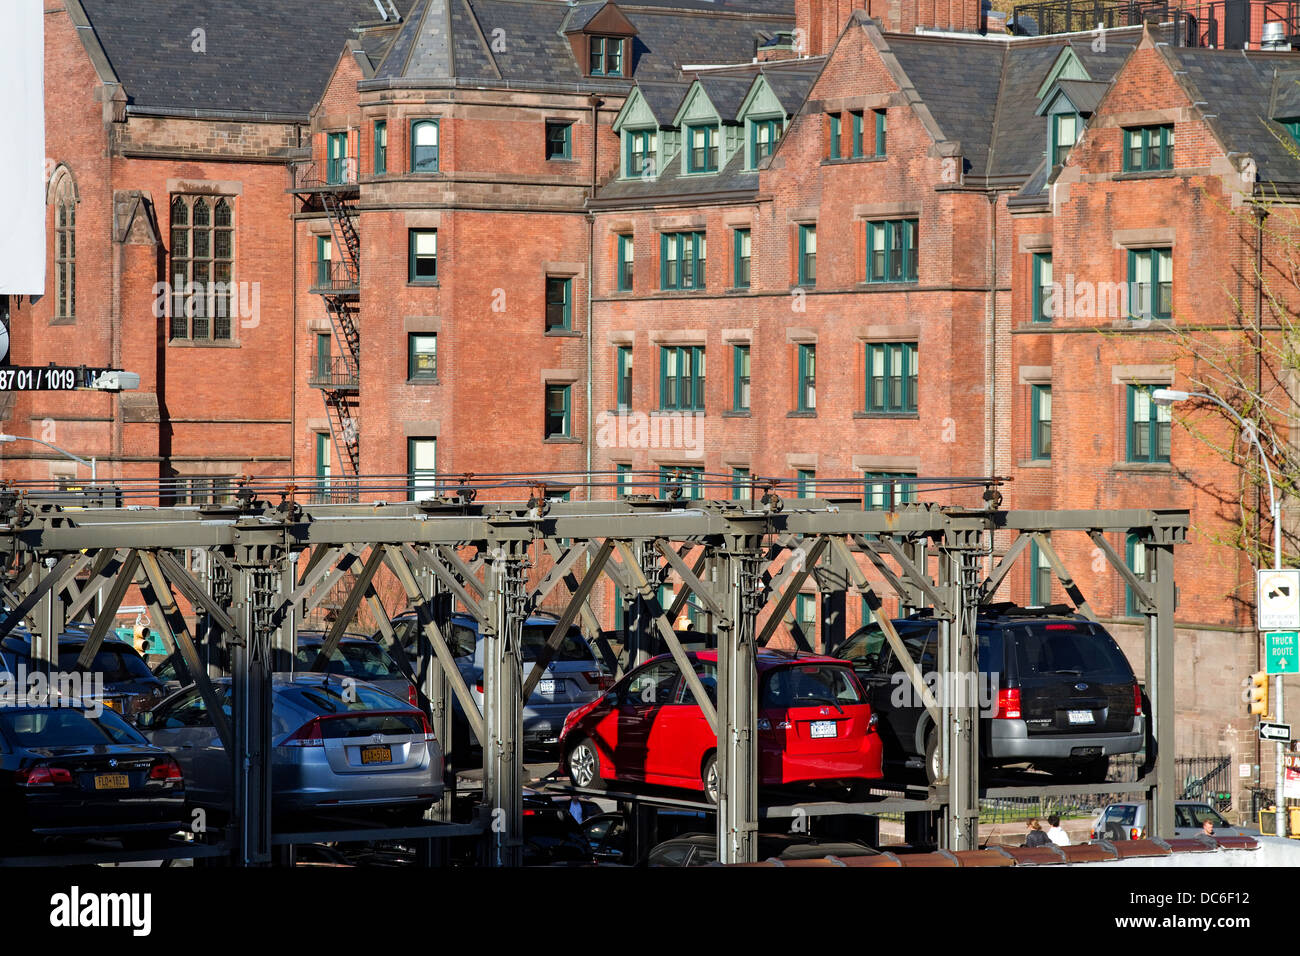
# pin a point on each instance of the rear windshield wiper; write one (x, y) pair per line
(825, 700)
(1067, 670)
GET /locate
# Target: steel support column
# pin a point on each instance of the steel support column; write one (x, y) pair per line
(738, 765)
(503, 756)
(1160, 687)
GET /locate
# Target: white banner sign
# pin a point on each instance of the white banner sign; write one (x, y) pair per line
(1277, 597)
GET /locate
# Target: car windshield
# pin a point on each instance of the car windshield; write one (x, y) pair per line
(804, 685)
(115, 663)
(572, 646)
(66, 727)
(362, 660)
(1195, 815)
(336, 699)
(1061, 647)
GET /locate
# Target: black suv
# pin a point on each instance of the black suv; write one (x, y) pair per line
(1055, 691)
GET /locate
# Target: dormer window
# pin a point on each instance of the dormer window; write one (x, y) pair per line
(1064, 134)
(606, 56)
(642, 152)
(702, 149)
(763, 135)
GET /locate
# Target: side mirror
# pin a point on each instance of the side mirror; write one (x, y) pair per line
(144, 719)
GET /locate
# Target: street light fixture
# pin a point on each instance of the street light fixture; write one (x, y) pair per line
(1168, 396)
(62, 451)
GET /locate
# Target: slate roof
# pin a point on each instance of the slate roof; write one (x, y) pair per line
(1083, 94)
(726, 93)
(672, 183)
(272, 57)
(791, 86)
(664, 99)
(1237, 92)
(1286, 95)
(536, 50)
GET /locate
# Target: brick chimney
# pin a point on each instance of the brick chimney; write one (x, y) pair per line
(823, 20)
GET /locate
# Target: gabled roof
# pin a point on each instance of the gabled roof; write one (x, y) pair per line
(726, 93)
(602, 17)
(1286, 96)
(671, 183)
(1082, 95)
(1066, 66)
(661, 99)
(791, 86)
(270, 58)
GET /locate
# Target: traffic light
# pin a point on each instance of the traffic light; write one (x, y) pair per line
(143, 639)
(1259, 693)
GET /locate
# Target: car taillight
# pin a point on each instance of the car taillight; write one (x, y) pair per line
(165, 769)
(1137, 701)
(479, 686)
(1136, 833)
(308, 735)
(428, 730)
(603, 681)
(412, 697)
(42, 776)
(1009, 704)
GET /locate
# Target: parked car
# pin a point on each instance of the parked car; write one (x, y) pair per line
(814, 724)
(607, 832)
(572, 678)
(551, 834)
(690, 640)
(1060, 694)
(129, 686)
(335, 747)
(82, 771)
(701, 849)
(1128, 821)
(359, 658)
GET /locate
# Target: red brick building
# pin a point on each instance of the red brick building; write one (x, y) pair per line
(719, 241)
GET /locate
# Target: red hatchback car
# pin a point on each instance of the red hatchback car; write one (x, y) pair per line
(814, 724)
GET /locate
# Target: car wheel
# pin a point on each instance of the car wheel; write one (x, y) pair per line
(709, 777)
(583, 765)
(933, 760)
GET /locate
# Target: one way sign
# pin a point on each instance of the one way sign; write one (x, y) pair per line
(1277, 598)
(1269, 731)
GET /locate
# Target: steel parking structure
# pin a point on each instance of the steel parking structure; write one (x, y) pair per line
(269, 563)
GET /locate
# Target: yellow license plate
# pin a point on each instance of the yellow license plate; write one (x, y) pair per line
(376, 755)
(112, 781)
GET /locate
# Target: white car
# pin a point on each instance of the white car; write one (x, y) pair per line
(1128, 821)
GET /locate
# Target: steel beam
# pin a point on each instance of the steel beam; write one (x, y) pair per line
(450, 581)
(561, 628)
(995, 578)
(803, 567)
(46, 581)
(115, 594)
(1160, 687)
(737, 724)
(1141, 589)
(1058, 567)
(349, 609)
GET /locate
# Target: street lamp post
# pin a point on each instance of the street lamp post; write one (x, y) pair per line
(62, 451)
(1168, 396)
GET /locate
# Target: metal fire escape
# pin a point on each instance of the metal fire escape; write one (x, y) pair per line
(337, 280)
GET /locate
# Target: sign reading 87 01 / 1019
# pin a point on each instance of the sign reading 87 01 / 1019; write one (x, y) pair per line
(49, 378)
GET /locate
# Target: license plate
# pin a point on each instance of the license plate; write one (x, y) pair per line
(1080, 716)
(112, 781)
(823, 728)
(548, 686)
(376, 755)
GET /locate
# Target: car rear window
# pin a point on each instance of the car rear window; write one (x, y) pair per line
(115, 663)
(364, 725)
(1060, 647)
(1195, 814)
(66, 727)
(362, 661)
(335, 699)
(572, 646)
(804, 685)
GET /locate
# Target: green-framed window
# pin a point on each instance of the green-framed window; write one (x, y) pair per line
(885, 490)
(740, 483)
(1044, 305)
(806, 378)
(682, 257)
(1041, 576)
(1292, 126)
(1148, 148)
(1040, 422)
(805, 483)
(1150, 283)
(422, 467)
(805, 616)
(559, 137)
(690, 477)
(622, 476)
(424, 146)
(891, 376)
(1149, 426)
(558, 424)
(1065, 133)
(422, 249)
(337, 168)
(606, 56)
(807, 255)
(740, 258)
(740, 378)
(324, 355)
(859, 131)
(624, 266)
(763, 134)
(324, 261)
(381, 147)
(642, 152)
(881, 123)
(323, 460)
(891, 250)
(623, 358)
(559, 303)
(834, 120)
(701, 149)
(1135, 555)
(422, 356)
(681, 378)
